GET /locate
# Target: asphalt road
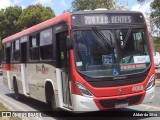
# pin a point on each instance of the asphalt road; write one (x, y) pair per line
(28, 104)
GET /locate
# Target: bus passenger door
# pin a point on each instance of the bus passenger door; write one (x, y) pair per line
(63, 79)
(7, 51)
(24, 67)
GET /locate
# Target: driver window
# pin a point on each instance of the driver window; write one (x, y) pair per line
(61, 49)
(140, 45)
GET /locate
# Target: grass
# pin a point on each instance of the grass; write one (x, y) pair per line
(3, 108)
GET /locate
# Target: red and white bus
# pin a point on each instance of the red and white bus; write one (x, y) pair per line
(83, 61)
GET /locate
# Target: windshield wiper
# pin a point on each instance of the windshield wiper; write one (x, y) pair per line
(127, 36)
(104, 39)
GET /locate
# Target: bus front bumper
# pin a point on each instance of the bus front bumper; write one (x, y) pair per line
(149, 97)
(84, 104)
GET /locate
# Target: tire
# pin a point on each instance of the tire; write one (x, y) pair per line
(50, 98)
(16, 92)
(56, 111)
(53, 104)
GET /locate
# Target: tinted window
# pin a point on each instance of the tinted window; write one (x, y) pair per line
(4, 53)
(16, 54)
(111, 52)
(46, 37)
(46, 46)
(34, 47)
(17, 45)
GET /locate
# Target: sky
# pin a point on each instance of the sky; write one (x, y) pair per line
(59, 6)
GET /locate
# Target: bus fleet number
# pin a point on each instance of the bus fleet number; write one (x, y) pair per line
(137, 88)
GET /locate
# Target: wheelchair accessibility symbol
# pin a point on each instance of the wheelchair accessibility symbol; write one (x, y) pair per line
(115, 71)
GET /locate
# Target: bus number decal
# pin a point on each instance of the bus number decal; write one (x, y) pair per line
(95, 20)
(137, 88)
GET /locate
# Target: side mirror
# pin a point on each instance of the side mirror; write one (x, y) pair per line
(69, 43)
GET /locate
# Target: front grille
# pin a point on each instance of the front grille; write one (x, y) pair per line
(115, 83)
(110, 81)
(111, 102)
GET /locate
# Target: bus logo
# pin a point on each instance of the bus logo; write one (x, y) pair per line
(120, 91)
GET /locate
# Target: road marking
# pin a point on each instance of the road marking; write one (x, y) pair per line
(2, 97)
(149, 106)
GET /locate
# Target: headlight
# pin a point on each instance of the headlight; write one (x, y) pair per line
(151, 82)
(83, 90)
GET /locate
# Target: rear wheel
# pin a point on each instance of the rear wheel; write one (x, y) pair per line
(16, 92)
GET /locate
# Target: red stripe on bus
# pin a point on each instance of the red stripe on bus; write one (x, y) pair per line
(6, 67)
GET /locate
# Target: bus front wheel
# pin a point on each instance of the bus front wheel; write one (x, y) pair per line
(53, 103)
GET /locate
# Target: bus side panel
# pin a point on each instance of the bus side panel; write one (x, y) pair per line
(5, 80)
(6, 77)
(32, 79)
(37, 75)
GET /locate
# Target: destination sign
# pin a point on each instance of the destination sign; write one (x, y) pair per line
(105, 19)
(121, 19)
(88, 20)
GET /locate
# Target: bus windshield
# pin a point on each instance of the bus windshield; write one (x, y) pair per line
(111, 52)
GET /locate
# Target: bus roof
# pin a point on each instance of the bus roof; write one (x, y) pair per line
(105, 11)
(47, 23)
(106, 17)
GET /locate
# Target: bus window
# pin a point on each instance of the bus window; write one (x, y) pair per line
(34, 47)
(46, 44)
(16, 46)
(61, 49)
(12, 51)
(140, 44)
(4, 54)
(7, 53)
(24, 43)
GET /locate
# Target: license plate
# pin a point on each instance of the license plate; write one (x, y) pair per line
(121, 105)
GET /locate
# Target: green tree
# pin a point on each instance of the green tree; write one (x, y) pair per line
(15, 19)
(155, 15)
(8, 19)
(92, 4)
(33, 15)
(156, 43)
